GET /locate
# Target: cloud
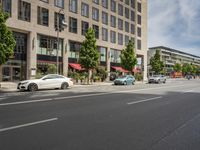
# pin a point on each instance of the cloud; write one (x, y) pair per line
(174, 24)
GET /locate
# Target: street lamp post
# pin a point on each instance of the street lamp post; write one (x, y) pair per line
(63, 24)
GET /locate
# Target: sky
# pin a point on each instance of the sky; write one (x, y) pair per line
(174, 24)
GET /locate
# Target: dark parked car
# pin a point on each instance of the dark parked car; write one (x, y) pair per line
(125, 80)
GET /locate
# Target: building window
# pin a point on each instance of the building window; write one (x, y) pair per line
(132, 16)
(96, 1)
(104, 17)
(139, 44)
(85, 10)
(126, 26)
(72, 25)
(105, 3)
(133, 3)
(103, 53)
(115, 56)
(48, 46)
(139, 32)
(104, 34)
(96, 30)
(120, 24)
(127, 13)
(95, 14)
(120, 39)
(59, 17)
(85, 26)
(112, 36)
(139, 7)
(7, 5)
(127, 2)
(139, 19)
(73, 5)
(46, 1)
(120, 10)
(59, 3)
(126, 39)
(113, 21)
(113, 5)
(43, 16)
(74, 49)
(132, 29)
(24, 11)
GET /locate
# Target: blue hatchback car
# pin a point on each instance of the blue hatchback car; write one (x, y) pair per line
(125, 80)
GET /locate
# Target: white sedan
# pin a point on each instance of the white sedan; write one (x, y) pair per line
(51, 81)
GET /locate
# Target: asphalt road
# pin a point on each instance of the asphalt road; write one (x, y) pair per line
(139, 117)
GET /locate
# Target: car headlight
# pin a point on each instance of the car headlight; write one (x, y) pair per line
(24, 83)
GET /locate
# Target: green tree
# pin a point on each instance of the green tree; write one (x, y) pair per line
(156, 63)
(128, 57)
(194, 69)
(177, 67)
(51, 68)
(89, 56)
(7, 41)
(187, 69)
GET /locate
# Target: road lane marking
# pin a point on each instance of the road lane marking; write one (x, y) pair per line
(25, 102)
(28, 124)
(86, 95)
(51, 99)
(188, 91)
(144, 100)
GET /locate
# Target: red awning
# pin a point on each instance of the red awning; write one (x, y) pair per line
(136, 70)
(76, 66)
(119, 69)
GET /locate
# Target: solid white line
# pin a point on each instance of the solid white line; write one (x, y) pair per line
(145, 100)
(28, 124)
(51, 99)
(188, 91)
(86, 95)
(25, 102)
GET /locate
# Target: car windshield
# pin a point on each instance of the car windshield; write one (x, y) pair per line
(122, 77)
(156, 76)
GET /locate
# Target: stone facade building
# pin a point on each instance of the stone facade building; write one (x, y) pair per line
(34, 25)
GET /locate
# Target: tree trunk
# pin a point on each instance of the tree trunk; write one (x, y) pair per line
(89, 76)
(1, 73)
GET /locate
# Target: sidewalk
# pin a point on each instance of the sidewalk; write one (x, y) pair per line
(12, 86)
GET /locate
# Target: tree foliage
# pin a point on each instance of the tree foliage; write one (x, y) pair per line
(128, 57)
(7, 41)
(156, 63)
(187, 69)
(177, 67)
(89, 56)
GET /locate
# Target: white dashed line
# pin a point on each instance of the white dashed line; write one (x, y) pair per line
(27, 124)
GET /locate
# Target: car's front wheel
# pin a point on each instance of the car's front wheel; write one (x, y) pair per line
(64, 85)
(32, 87)
(125, 83)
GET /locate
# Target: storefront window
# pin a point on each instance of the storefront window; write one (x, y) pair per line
(47, 55)
(15, 68)
(74, 49)
(102, 51)
(115, 56)
(48, 46)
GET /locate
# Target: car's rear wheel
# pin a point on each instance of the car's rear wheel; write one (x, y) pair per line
(33, 87)
(133, 82)
(64, 85)
(164, 81)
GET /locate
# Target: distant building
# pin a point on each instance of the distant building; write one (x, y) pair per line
(34, 24)
(171, 56)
